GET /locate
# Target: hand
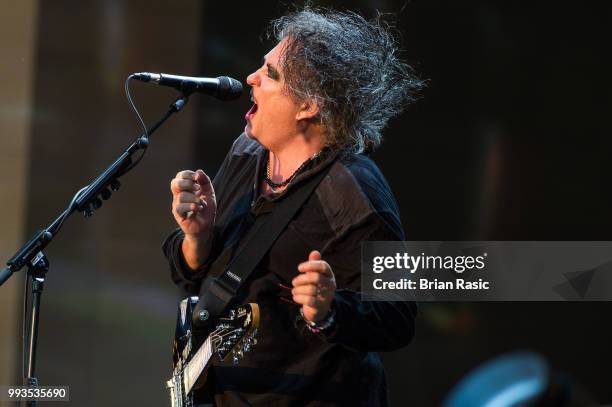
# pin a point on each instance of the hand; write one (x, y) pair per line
(194, 205)
(314, 288)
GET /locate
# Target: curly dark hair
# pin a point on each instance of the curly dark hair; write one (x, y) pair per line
(350, 67)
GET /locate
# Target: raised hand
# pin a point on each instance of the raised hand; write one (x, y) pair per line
(194, 205)
(314, 288)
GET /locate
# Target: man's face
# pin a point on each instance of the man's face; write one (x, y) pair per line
(272, 120)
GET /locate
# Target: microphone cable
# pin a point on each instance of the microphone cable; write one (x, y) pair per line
(145, 131)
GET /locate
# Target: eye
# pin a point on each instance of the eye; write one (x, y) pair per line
(272, 73)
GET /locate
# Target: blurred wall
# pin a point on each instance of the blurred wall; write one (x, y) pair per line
(108, 308)
(18, 44)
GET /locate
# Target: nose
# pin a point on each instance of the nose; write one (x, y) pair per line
(253, 79)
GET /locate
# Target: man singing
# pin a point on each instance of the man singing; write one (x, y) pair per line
(320, 100)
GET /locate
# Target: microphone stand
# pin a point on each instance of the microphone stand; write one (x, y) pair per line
(87, 201)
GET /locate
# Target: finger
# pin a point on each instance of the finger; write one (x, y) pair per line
(319, 266)
(179, 185)
(186, 174)
(308, 289)
(314, 255)
(312, 278)
(308, 278)
(204, 181)
(183, 208)
(188, 197)
(308, 300)
(201, 178)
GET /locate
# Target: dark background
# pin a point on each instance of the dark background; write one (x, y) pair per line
(511, 141)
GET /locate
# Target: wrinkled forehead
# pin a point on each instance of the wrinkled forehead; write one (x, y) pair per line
(275, 55)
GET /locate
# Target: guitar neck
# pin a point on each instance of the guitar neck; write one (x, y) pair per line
(197, 364)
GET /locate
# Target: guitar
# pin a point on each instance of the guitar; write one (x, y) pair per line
(234, 333)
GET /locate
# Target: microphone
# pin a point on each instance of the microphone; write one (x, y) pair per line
(222, 87)
(5, 274)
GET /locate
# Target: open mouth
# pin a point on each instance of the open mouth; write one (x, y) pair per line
(252, 110)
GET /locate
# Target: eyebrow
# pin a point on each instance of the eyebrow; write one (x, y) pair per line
(270, 67)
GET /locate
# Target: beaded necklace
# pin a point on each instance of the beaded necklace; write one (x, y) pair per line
(276, 185)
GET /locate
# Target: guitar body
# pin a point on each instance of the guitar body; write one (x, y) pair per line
(233, 333)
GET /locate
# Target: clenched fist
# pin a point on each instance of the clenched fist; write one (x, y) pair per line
(193, 202)
(194, 207)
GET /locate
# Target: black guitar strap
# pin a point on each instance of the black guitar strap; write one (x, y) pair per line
(219, 288)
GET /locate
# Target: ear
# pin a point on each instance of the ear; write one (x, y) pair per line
(308, 110)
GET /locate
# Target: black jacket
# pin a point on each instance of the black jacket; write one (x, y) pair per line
(290, 365)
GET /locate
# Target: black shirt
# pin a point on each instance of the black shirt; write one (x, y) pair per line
(290, 365)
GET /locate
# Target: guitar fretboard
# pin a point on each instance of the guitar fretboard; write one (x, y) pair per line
(196, 365)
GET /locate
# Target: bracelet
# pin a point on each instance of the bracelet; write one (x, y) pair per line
(317, 327)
